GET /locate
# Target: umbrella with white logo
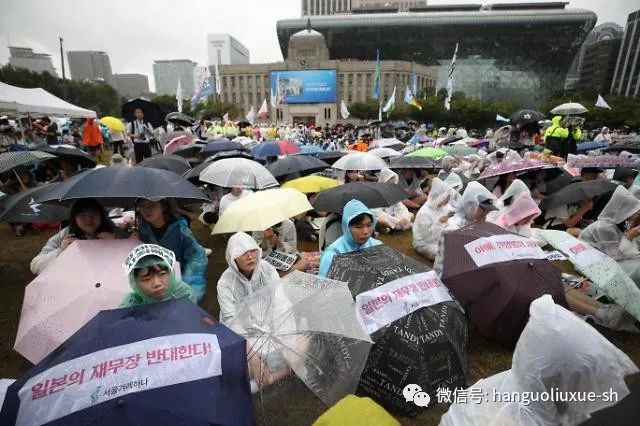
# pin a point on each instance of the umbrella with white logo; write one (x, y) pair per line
(22, 208)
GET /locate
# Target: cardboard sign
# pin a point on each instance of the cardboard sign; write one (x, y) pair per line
(503, 248)
(581, 254)
(555, 255)
(144, 250)
(280, 260)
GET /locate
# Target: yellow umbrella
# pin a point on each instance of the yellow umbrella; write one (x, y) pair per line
(312, 184)
(260, 210)
(114, 124)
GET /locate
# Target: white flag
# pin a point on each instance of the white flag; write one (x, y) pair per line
(251, 115)
(218, 83)
(390, 102)
(344, 112)
(447, 100)
(264, 110)
(601, 103)
(179, 96)
(272, 99)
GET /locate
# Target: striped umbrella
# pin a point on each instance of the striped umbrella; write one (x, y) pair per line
(11, 160)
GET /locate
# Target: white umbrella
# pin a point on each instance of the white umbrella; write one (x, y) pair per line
(238, 172)
(569, 108)
(384, 152)
(360, 161)
(387, 142)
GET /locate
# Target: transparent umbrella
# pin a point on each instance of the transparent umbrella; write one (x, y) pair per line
(307, 325)
(238, 172)
(360, 161)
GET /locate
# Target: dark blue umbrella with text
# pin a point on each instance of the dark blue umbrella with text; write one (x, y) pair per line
(168, 363)
(22, 207)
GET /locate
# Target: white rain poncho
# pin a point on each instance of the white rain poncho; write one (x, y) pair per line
(427, 228)
(396, 213)
(471, 166)
(233, 286)
(516, 188)
(604, 135)
(446, 164)
(521, 208)
(454, 181)
(557, 351)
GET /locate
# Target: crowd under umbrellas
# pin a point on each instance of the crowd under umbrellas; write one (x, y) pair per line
(344, 317)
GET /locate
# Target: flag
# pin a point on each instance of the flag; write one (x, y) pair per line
(390, 102)
(275, 99)
(447, 100)
(414, 83)
(179, 96)
(272, 99)
(380, 112)
(264, 110)
(501, 118)
(251, 115)
(410, 99)
(376, 78)
(203, 90)
(225, 118)
(601, 103)
(344, 112)
(218, 84)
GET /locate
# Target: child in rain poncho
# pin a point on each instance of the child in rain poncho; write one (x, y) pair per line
(512, 192)
(246, 273)
(616, 232)
(398, 216)
(557, 351)
(432, 219)
(152, 280)
(519, 215)
(358, 223)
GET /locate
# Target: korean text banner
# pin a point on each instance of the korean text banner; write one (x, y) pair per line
(302, 87)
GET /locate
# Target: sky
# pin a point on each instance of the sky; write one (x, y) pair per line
(135, 33)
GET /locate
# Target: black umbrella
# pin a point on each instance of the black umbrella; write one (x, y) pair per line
(188, 151)
(578, 191)
(179, 119)
(526, 116)
(172, 163)
(11, 160)
(374, 123)
(451, 139)
(296, 164)
(426, 347)
(121, 186)
(372, 194)
(405, 162)
(331, 157)
(631, 146)
(220, 145)
(71, 154)
(22, 207)
(152, 112)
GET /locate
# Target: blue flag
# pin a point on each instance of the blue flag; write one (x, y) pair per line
(376, 78)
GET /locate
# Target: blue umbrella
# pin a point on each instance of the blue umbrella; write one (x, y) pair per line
(221, 145)
(310, 150)
(591, 145)
(109, 380)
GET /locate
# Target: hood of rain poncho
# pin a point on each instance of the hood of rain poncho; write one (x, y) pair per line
(239, 244)
(438, 193)
(447, 163)
(454, 181)
(388, 175)
(516, 188)
(621, 206)
(522, 207)
(555, 121)
(471, 198)
(176, 289)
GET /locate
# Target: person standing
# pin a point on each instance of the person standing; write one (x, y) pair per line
(91, 136)
(51, 131)
(140, 133)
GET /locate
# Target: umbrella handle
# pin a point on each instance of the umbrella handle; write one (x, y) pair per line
(19, 180)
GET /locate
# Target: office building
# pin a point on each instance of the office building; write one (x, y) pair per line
(89, 65)
(24, 57)
(599, 65)
(626, 78)
(167, 73)
(331, 7)
(131, 86)
(224, 49)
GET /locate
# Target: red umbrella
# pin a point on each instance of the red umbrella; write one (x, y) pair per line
(511, 166)
(495, 275)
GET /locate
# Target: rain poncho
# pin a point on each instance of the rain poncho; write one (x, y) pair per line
(471, 166)
(446, 165)
(233, 286)
(393, 214)
(176, 290)
(346, 243)
(516, 188)
(604, 135)
(454, 181)
(287, 236)
(427, 228)
(556, 351)
(521, 208)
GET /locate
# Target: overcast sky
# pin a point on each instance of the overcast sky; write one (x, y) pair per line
(135, 33)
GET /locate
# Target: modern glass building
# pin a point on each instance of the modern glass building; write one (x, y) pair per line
(506, 51)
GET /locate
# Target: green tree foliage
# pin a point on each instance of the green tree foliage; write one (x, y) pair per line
(100, 97)
(366, 110)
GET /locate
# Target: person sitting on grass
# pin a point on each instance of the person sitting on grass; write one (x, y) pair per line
(396, 217)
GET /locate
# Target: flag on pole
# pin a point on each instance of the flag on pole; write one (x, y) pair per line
(251, 115)
(410, 99)
(414, 83)
(179, 96)
(225, 117)
(501, 118)
(391, 102)
(203, 90)
(218, 84)
(601, 103)
(380, 112)
(447, 100)
(344, 112)
(264, 110)
(376, 78)
(274, 98)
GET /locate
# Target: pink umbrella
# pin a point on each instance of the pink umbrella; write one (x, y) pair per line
(512, 166)
(174, 143)
(85, 278)
(599, 161)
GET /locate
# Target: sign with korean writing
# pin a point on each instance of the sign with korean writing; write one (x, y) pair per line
(145, 250)
(280, 260)
(383, 305)
(503, 248)
(581, 254)
(113, 372)
(555, 255)
(304, 87)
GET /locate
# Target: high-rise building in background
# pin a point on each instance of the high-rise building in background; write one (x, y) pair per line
(131, 85)
(167, 73)
(224, 49)
(24, 57)
(89, 65)
(332, 7)
(626, 79)
(599, 65)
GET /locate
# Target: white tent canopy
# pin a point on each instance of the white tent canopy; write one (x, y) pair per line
(37, 101)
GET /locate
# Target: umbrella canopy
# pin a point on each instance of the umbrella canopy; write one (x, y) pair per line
(459, 150)
(310, 325)
(246, 142)
(166, 137)
(419, 334)
(384, 152)
(310, 149)
(166, 363)
(11, 160)
(177, 142)
(261, 210)
(312, 184)
(633, 147)
(512, 166)
(180, 119)
(71, 154)
(172, 163)
(50, 313)
(496, 275)
(569, 108)
(598, 161)
(121, 186)
(360, 161)
(188, 151)
(578, 191)
(330, 157)
(392, 143)
(526, 116)
(22, 208)
(592, 145)
(451, 139)
(114, 124)
(372, 194)
(296, 164)
(238, 172)
(432, 153)
(212, 148)
(274, 149)
(152, 112)
(407, 162)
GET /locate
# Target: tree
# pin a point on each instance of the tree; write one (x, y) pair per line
(217, 109)
(625, 111)
(366, 110)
